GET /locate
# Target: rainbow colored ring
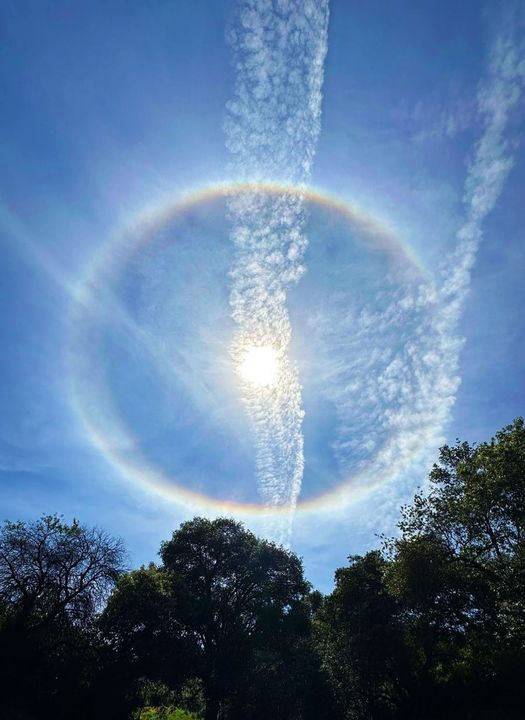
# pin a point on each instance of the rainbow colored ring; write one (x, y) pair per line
(144, 226)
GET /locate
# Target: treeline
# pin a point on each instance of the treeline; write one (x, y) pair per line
(430, 625)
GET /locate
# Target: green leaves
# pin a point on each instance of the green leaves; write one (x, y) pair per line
(437, 619)
(432, 626)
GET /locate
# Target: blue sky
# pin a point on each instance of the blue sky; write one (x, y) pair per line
(113, 110)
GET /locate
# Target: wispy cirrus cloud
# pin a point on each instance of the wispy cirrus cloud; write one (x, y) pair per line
(498, 97)
(392, 358)
(272, 127)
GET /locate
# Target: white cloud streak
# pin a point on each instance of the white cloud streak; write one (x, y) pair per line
(498, 96)
(272, 128)
(392, 359)
(391, 365)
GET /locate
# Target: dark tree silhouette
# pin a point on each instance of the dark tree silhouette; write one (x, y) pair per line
(54, 578)
(432, 625)
(233, 590)
(50, 570)
(362, 641)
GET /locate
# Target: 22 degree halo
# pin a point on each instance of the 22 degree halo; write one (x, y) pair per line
(139, 470)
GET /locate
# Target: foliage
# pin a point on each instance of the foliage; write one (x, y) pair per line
(362, 640)
(50, 571)
(141, 624)
(236, 594)
(164, 713)
(432, 625)
(54, 578)
(157, 697)
(435, 625)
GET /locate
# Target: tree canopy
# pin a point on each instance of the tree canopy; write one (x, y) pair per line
(429, 625)
(54, 580)
(434, 624)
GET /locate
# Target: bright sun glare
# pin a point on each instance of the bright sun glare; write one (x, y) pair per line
(259, 366)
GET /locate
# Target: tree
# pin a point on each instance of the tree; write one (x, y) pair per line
(234, 592)
(284, 679)
(434, 625)
(361, 640)
(459, 573)
(50, 570)
(54, 578)
(476, 510)
(141, 626)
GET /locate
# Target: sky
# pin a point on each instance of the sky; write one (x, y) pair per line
(338, 183)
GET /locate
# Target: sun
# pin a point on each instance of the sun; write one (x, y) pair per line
(259, 366)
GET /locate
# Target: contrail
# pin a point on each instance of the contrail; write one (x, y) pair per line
(392, 359)
(272, 127)
(499, 95)
(493, 159)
